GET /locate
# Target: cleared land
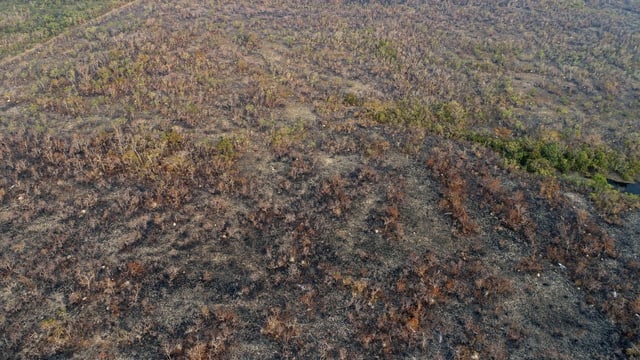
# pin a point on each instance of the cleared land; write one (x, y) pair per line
(281, 179)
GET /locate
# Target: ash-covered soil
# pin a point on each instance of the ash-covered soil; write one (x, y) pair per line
(203, 180)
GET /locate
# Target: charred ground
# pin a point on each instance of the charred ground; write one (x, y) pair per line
(348, 180)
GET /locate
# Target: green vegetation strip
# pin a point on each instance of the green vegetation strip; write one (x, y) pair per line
(537, 156)
(25, 23)
(543, 157)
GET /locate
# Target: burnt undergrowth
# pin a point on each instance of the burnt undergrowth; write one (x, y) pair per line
(203, 180)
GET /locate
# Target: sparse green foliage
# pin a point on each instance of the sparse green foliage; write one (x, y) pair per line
(173, 138)
(352, 99)
(387, 50)
(227, 148)
(447, 119)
